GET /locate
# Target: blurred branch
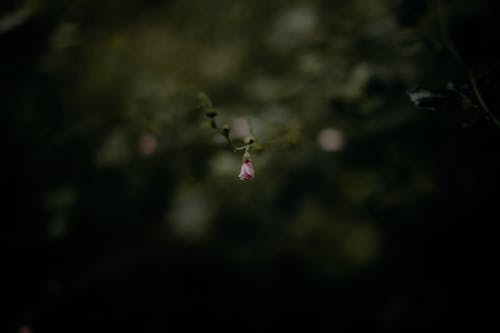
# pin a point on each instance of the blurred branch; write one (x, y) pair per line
(16, 18)
(445, 39)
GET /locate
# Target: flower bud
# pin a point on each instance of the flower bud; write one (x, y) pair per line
(211, 112)
(225, 130)
(247, 172)
(204, 101)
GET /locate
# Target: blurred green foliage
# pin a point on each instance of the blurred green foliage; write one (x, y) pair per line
(123, 204)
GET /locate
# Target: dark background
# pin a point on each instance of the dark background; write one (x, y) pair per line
(122, 208)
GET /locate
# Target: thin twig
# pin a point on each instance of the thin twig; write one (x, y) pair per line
(481, 101)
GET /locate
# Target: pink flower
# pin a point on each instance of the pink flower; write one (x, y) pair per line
(246, 172)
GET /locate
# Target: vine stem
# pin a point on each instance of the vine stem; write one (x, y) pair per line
(480, 99)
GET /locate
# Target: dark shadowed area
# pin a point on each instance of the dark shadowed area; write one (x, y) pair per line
(375, 129)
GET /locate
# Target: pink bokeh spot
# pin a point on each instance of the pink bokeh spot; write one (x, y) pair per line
(24, 329)
(148, 144)
(246, 172)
